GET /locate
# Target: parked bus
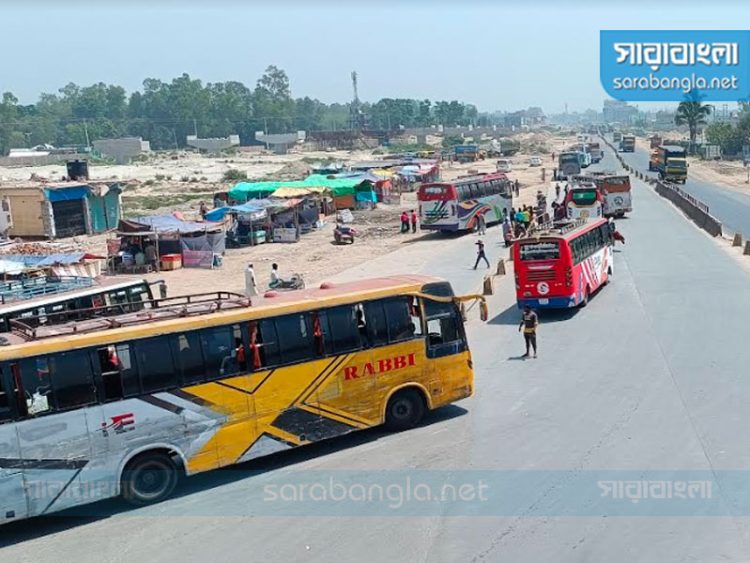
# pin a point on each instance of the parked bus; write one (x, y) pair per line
(126, 405)
(583, 201)
(455, 206)
(124, 296)
(562, 266)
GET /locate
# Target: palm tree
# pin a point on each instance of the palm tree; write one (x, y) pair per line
(692, 113)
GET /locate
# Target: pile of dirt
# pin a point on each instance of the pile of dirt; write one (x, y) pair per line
(295, 170)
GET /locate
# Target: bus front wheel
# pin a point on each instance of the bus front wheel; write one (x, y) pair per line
(405, 409)
(149, 478)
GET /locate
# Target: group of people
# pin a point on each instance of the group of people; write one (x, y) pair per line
(251, 284)
(406, 218)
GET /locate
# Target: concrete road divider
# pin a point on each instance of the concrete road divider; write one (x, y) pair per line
(487, 288)
(737, 240)
(692, 207)
(500, 268)
(746, 252)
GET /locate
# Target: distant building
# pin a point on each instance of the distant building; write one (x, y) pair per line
(615, 111)
(524, 117)
(61, 209)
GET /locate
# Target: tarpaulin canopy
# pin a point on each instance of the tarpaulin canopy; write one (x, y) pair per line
(164, 224)
(66, 194)
(31, 260)
(251, 208)
(339, 186)
(290, 192)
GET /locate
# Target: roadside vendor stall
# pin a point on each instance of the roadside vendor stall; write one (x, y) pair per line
(199, 244)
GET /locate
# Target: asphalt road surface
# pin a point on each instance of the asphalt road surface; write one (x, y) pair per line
(649, 382)
(729, 206)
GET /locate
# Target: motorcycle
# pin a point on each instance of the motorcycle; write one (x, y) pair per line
(343, 234)
(294, 282)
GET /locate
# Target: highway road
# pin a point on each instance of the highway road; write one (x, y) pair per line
(729, 206)
(649, 382)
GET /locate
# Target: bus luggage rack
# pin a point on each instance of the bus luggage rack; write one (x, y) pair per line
(555, 227)
(105, 318)
(37, 287)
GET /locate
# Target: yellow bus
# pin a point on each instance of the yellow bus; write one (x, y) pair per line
(125, 405)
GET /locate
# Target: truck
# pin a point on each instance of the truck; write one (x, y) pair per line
(627, 144)
(568, 164)
(671, 163)
(616, 137)
(466, 153)
(596, 152)
(655, 141)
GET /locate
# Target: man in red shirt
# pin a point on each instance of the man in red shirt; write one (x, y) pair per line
(413, 221)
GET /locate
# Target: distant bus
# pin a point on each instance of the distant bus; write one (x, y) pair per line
(129, 404)
(120, 296)
(455, 206)
(563, 266)
(616, 194)
(583, 201)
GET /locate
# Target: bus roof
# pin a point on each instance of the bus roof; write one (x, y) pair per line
(470, 179)
(563, 230)
(272, 304)
(106, 284)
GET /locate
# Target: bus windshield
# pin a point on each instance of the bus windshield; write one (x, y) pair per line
(584, 197)
(545, 250)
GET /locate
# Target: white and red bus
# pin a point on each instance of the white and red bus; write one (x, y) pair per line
(584, 201)
(616, 194)
(455, 206)
(562, 266)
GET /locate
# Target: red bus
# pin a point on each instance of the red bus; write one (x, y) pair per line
(562, 266)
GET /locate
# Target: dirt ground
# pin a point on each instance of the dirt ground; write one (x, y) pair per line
(314, 256)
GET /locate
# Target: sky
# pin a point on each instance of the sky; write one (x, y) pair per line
(496, 55)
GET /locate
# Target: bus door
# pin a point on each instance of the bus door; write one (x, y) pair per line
(13, 503)
(54, 438)
(445, 338)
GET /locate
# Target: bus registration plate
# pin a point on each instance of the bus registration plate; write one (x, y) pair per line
(544, 301)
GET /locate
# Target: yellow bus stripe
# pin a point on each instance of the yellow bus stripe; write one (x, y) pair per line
(318, 381)
(344, 414)
(333, 416)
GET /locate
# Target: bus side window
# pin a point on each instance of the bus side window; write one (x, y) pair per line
(397, 313)
(269, 343)
(189, 358)
(343, 335)
(444, 334)
(118, 376)
(416, 317)
(219, 351)
(155, 366)
(72, 379)
(376, 323)
(35, 385)
(297, 344)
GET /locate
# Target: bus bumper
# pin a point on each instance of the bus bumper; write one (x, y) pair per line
(548, 303)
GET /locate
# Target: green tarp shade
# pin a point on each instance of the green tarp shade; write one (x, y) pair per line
(252, 190)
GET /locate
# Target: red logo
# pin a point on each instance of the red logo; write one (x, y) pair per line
(120, 423)
(381, 366)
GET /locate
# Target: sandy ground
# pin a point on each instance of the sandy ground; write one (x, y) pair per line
(314, 256)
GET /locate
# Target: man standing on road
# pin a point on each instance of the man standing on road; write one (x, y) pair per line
(507, 236)
(529, 322)
(413, 221)
(480, 254)
(251, 286)
(481, 224)
(404, 222)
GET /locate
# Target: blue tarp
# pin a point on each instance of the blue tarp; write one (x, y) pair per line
(169, 223)
(49, 260)
(67, 194)
(250, 208)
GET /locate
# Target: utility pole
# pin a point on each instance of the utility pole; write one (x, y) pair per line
(195, 127)
(174, 133)
(265, 125)
(86, 132)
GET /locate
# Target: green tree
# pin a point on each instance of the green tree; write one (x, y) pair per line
(692, 112)
(273, 101)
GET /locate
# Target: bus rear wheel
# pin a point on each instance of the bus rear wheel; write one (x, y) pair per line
(405, 409)
(585, 298)
(149, 478)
